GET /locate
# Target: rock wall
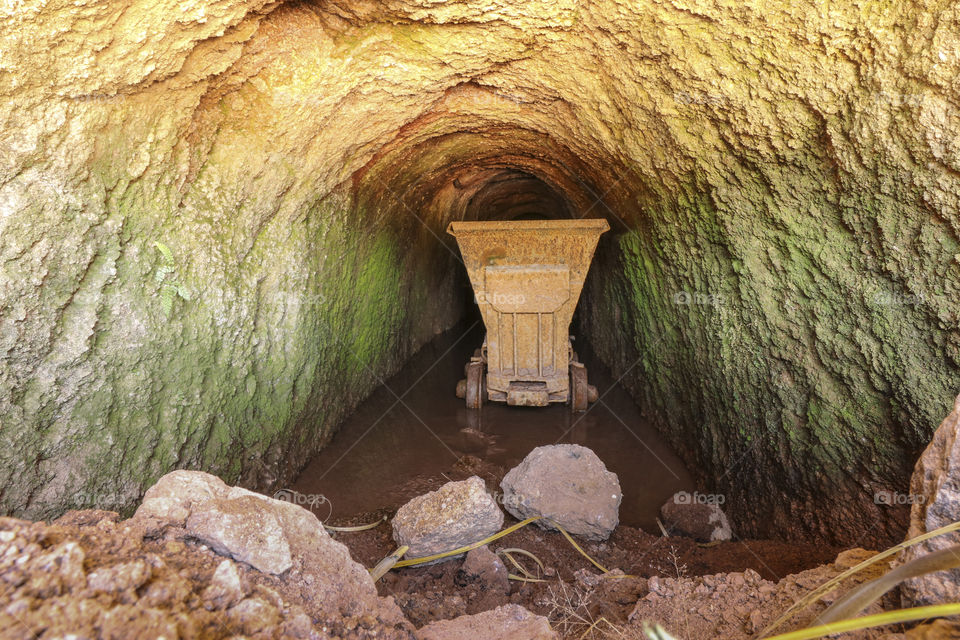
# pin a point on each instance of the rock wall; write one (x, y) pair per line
(779, 290)
(787, 307)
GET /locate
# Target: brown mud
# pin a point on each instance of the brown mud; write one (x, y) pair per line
(413, 428)
(441, 591)
(413, 435)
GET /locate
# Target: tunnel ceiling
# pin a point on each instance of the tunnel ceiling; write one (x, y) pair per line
(779, 292)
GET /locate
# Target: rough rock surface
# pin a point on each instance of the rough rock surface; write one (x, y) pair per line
(737, 605)
(568, 484)
(273, 536)
(780, 289)
(509, 622)
(91, 575)
(935, 494)
(456, 514)
(937, 630)
(706, 522)
(484, 565)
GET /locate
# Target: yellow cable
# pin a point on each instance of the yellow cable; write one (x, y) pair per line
(877, 620)
(577, 547)
(415, 561)
(475, 545)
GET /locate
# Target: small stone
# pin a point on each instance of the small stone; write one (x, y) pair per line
(937, 630)
(654, 584)
(225, 588)
(705, 522)
(267, 534)
(297, 625)
(172, 497)
(66, 560)
(852, 557)
(455, 515)
(174, 547)
(509, 622)
(119, 577)
(587, 578)
(487, 567)
(252, 616)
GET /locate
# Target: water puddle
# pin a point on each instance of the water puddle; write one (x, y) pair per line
(413, 429)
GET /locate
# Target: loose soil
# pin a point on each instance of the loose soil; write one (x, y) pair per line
(125, 584)
(91, 575)
(441, 591)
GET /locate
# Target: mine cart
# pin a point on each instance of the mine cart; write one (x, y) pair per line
(527, 277)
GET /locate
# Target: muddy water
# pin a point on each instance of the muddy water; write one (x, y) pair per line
(413, 429)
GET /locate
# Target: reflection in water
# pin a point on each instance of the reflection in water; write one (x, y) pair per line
(413, 428)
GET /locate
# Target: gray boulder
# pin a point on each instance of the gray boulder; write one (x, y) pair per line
(567, 484)
(935, 497)
(456, 514)
(272, 536)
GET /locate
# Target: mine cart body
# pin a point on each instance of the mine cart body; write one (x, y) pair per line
(527, 277)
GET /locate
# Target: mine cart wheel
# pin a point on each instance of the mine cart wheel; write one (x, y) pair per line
(579, 389)
(476, 385)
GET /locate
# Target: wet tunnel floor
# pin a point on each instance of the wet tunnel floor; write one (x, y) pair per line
(408, 436)
(413, 434)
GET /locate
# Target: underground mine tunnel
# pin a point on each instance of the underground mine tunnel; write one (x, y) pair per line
(223, 227)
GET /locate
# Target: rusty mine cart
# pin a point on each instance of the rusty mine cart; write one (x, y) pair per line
(527, 277)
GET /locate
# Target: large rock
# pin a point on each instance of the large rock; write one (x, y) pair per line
(234, 522)
(568, 484)
(935, 494)
(509, 622)
(456, 514)
(270, 535)
(686, 514)
(242, 529)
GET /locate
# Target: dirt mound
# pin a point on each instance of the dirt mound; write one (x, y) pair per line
(92, 575)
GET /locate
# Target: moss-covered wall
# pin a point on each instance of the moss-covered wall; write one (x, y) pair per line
(246, 378)
(798, 374)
